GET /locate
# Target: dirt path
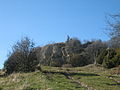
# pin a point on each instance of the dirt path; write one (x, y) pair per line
(68, 75)
(80, 83)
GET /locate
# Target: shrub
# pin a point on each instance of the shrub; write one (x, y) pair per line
(109, 58)
(111, 62)
(101, 57)
(23, 57)
(79, 60)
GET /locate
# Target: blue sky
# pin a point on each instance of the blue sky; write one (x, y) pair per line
(48, 21)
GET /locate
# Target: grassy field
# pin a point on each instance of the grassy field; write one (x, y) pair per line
(89, 77)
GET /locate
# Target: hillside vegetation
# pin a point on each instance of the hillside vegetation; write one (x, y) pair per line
(89, 77)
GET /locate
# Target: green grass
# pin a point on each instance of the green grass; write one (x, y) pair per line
(55, 78)
(60, 82)
(97, 82)
(21, 81)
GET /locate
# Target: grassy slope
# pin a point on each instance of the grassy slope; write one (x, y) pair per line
(80, 78)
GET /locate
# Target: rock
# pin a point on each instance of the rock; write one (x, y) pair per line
(59, 53)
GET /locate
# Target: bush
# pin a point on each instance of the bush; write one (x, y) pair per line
(79, 60)
(23, 57)
(74, 46)
(101, 57)
(109, 58)
(113, 62)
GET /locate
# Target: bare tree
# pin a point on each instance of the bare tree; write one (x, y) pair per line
(114, 30)
(95, 49)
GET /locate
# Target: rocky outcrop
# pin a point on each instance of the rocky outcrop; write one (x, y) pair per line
(59, 53)
(44, 54)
